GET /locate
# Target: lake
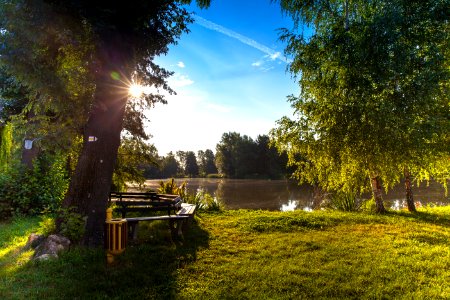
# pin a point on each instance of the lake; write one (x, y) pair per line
(287, 195)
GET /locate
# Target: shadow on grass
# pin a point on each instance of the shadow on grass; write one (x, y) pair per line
(425, 217)
(146, 270)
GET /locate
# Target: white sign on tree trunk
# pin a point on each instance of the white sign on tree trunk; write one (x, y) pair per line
(28, 144)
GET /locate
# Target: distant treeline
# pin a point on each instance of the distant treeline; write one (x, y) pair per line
(237, 156)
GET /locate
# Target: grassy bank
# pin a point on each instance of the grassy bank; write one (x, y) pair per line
(248, 255)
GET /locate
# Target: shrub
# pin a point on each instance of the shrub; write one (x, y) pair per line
(202, 199)
(170, 187)
(344, 201)
(31, 191)
(5, 200)
(205, 201)
(369, 205)
(214, 176)
(72, 224)
(47, 226)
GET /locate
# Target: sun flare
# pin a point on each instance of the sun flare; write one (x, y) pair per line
(136, 90)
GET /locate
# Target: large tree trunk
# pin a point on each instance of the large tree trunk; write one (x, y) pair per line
(346, 22)
(377, 194)
(29, 155)
(318, 196)
(30, 149)
(408, 190)
(90, 184)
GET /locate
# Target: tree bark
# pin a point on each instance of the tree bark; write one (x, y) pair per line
(32, 152)
(377, 194)
(318, 196)
(29, 155)
(91, 181)
(408, 190)
(346, 22)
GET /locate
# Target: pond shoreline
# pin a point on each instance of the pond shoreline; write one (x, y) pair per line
(276, 195)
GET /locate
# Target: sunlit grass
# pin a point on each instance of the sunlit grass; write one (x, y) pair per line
(321, 255)
(13, 237)
(249, 255)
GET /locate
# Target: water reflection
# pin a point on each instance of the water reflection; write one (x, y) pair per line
(285, 195)
(290, 206)
(397, 204)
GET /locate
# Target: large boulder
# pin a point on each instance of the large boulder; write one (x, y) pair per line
(34, 240)
(51, 246)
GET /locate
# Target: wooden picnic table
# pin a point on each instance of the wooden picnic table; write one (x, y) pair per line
(178, 213)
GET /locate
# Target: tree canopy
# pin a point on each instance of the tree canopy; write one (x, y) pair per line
(77, 60)
(240, 156)
(374, 80)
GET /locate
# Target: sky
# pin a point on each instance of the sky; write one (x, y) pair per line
(230, 75)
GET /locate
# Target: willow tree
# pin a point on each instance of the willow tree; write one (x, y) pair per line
(113, 43)
(374, 79)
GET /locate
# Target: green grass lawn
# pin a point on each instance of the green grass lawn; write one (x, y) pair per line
(248, 255)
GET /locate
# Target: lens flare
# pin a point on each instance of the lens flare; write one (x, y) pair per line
(136, 90)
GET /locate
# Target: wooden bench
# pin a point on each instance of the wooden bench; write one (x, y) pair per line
(150, 202)
(178, 223)
(145, 202)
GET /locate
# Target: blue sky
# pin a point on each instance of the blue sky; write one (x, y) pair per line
(230, 75)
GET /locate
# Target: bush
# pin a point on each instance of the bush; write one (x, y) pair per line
(31, 191)
(344, 201)
(170, 187)
(5, 200)
(204, 201)
(72, 224)
(369, 205)
(214, 176)
(47, 226)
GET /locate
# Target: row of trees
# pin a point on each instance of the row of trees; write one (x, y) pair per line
(236, 156)
(182, 164)
(374, 101)
(241, 157)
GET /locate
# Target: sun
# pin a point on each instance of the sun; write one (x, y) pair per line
(136, 90)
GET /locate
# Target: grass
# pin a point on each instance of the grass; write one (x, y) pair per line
(248, 255)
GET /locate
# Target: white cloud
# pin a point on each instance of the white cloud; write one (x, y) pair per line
(181, 64)
(257, 64)
(275, 55)
(219, 108)
(243, 39)
(267, 69)
(179, 80)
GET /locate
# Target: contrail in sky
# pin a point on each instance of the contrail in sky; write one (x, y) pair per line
(246, 40)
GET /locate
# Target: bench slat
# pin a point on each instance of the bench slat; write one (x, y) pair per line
(177, 223)
(156, 218)
(143, 209)
(143, 203)
(187, 209)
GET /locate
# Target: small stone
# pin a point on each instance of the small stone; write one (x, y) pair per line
(46, 256)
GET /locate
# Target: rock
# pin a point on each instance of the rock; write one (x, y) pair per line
(51, 247)
(46, 257)
(34, 240)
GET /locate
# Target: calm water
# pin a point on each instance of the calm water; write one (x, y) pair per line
(286, 195)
